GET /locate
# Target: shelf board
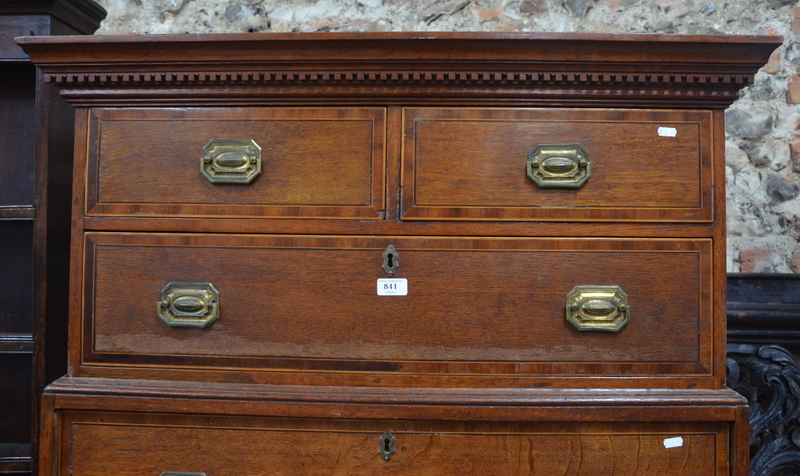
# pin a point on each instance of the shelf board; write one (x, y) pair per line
(15, 458)
(23, 212)
(16, 343)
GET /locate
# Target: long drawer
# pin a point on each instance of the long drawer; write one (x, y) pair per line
(473, 306)
(557, 165)
(128, 444)
(244, 162)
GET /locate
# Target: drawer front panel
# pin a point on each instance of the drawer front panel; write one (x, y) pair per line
(314, 162)
(264, 446)
(473, 164)
(473, 305)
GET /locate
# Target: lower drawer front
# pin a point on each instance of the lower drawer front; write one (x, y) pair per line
(303, 302)
(101, 444)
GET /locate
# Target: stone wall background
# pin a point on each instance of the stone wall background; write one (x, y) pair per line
(763, 126)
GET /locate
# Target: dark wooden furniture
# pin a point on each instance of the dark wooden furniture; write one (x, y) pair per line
(764, 309)
(240, 327)
(763, 341)
(35, 176)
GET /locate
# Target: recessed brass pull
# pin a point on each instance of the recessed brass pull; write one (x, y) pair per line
(391, 260)
(598, 308)
(189, 304)
(559, 166)
(387, 445)
(231, 161)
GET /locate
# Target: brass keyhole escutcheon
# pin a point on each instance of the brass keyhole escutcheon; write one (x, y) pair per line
(391, 260)
(387, 445)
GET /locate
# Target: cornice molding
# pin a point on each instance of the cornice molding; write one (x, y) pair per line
(399, 86)
(404, 77)
(523, 69)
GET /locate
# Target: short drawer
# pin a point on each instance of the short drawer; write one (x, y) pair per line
(118, 444)
(473, 306)
(246, 162)
(540, 164)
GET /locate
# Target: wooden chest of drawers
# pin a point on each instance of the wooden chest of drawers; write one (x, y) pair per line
(398, 253)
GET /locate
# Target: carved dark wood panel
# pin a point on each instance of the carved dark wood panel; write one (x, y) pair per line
(769, 377)
(764, 311)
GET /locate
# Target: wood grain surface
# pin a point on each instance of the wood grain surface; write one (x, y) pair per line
(315, 162)
(312, 302)
(470, 164)
(115, 444)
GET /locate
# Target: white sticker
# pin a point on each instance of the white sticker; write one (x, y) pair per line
(673, 442)
(392, 287)
(667, 131)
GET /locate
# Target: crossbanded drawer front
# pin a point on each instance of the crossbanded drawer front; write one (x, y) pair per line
(556, 165)
(248, 162)
(106, 443)
(473, 305)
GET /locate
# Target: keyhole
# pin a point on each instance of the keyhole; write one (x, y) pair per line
(386, 448)
(391, 260)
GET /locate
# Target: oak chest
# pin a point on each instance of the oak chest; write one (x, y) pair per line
(397, 253)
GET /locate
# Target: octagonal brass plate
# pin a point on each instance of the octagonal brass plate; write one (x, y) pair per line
(559, 166)
(598, 308)
(231, 161)
(188, 304)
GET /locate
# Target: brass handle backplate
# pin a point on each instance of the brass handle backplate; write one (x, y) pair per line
(598, 308)
(559, 166)
(189, 304)
(231, 161)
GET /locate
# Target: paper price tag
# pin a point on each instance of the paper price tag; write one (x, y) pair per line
(667, 132)
(392, 287)
(673, 442)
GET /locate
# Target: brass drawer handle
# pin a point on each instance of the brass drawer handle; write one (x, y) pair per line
(559, 166)
(598, 308)
(189, 304)
(231, 161)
